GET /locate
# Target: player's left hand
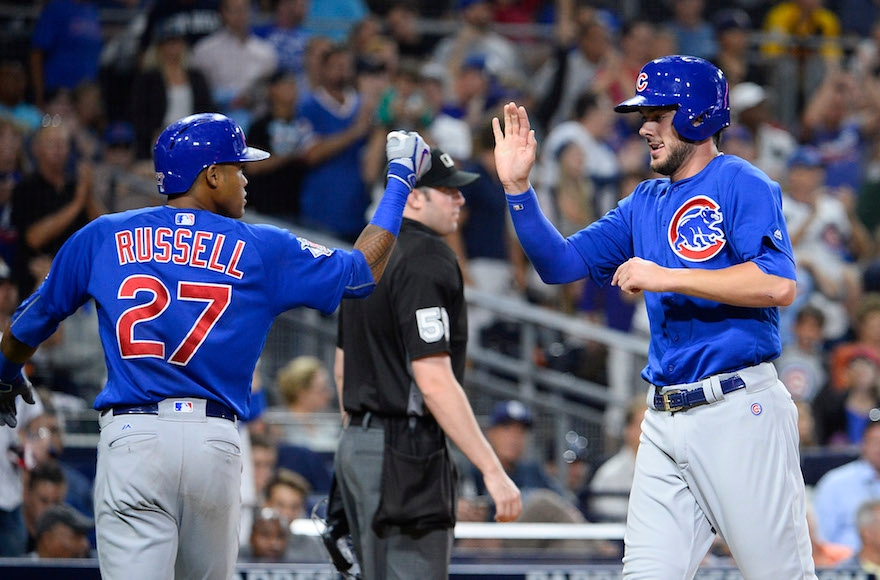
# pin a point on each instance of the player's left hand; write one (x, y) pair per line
(515, 149)
(637, 275)
(8, 394)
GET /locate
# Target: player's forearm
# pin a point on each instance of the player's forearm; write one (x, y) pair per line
(376, 244)
(554, 258)
(14, 350)
(447, 402)
(740, 285)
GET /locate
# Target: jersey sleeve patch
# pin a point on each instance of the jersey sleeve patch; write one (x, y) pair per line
(433, 324)
(316, 250)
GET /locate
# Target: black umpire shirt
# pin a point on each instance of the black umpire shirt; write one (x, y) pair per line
(417, 309)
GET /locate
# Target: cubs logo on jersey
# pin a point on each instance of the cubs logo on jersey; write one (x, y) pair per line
(695, 232)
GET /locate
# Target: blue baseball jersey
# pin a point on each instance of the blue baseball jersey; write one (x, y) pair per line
(727, 214)
(185, 299)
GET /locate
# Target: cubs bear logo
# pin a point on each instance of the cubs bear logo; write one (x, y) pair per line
(695, 232)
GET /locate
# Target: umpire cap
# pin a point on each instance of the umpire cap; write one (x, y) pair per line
(191, 144)
(444, 173)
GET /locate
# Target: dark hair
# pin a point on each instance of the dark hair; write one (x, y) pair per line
(48, 471)
(291, 479)
(585, 103)
(810, 311)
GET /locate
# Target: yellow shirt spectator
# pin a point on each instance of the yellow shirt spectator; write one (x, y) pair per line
(802, 28)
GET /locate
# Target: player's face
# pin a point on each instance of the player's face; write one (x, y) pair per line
(668, 150)
(229, 197)
(442, 209)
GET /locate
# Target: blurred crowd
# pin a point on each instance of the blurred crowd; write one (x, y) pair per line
(319, 83)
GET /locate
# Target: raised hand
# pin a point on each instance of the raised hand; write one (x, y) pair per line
(409, 156)
(515, 149)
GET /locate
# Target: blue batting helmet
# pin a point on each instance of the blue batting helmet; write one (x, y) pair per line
(191, 144)
(696, 86)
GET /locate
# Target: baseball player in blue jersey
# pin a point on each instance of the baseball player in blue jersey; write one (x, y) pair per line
(186, 295)
(709, 248)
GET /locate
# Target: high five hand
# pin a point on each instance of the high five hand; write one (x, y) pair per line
(515, 149)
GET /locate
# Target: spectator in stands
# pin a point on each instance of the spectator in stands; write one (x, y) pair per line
(116, 175)
(617, 77)
(509, 425)
(576, 468)
(693, 34)
(735, 55)
(842, 413)
(445, 132)
(803, 41)
(866, 330)
(482, 240)
(313, 62)
(288, 35)
(610, 485)
(65, 47)
(335, 18)
(44, 487)
(264, 455)
(867, 558)
(49, 205)
(13, 533)
(474, 37)
(288, 494)
(826, 238)
(334, 196)
(62, 532)
(195, 18)
(167, 89)
(591, 128)
(801, 366)
(88, 121)
(841, 119)
(12, 170)
(274, 183)
(750, 108)
(235, 62)
(44, 443)
(269, 537)
(840, 492)
(12, 96)
(304, 383)
(570, 72)
(401, 24)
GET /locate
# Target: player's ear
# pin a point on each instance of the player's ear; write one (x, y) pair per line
(416, 198)
(212, 176)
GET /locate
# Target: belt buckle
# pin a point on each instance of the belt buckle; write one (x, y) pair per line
(666, 406)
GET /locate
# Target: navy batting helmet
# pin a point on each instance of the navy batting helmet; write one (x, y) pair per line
(191, 144)
(696, 86)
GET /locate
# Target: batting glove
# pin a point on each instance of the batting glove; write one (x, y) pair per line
(20, 385)
(409, 157)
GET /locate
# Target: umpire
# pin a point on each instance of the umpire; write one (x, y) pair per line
(400, 360)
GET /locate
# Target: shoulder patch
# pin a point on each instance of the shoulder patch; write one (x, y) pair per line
(695, 232)
(315, 249)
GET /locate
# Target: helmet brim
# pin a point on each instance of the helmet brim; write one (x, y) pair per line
(632, 105)
(254, 154)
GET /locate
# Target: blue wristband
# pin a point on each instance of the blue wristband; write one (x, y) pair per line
(9, 371)
(389, 214)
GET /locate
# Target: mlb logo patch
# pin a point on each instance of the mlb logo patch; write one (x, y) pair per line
(185, 219)
(314, 249)
(183, 407)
